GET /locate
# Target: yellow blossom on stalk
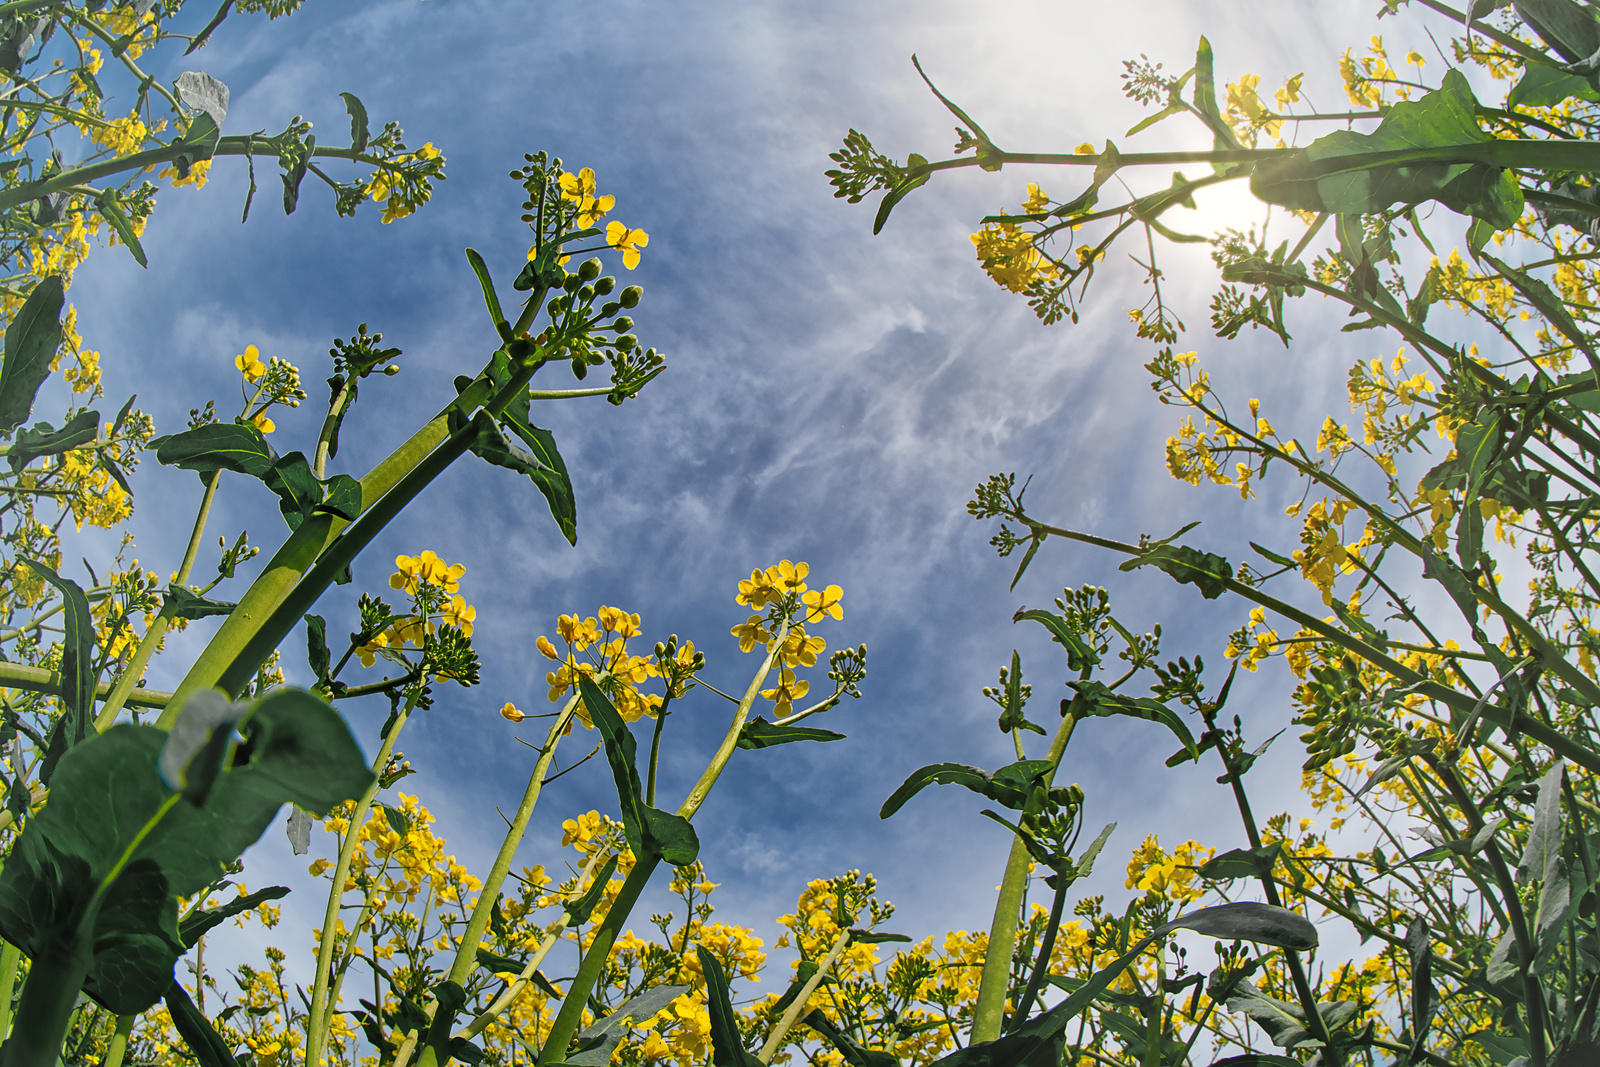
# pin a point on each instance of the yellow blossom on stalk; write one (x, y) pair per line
(579, 633)
(458, 613)
(1246, 113)
(579, 188)
(196, 178)
(511, 712)
(629, 241)
(824, 602)
(619, 622)
(1085, 149)
(751, 633)
(788, 690)
(249, 364)
(412, 572)
(546, 649)
(1007, 254)
(800, 650)
(262, 422)
(1290, 93)
(1174, 876)
(1037, 200)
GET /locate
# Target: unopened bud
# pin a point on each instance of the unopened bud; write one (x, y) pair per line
(391, 370)
(590, 270)
(605, 285)
(630, 296)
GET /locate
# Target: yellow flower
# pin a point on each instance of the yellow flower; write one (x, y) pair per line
(459, 613)
(792, 576)
(750, 633)
(1037, 199)
(510, 712)
(580, 189)
(800, 650)
(788, 690)
(546, 649)
(824, 602)
(619, 622)
(262, 423)
(249, 364)
(1085, 149)
(630, 241)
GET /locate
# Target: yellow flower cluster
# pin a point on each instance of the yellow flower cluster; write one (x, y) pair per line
(605, 640)
(433, 586)
(579, 188)
(1007, 254)
(399, 196)
(1248, 115)
(1326, 555)
(1253, 642)
(1171, 876)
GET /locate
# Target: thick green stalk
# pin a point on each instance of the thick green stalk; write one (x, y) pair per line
(319, 1012)
(158, 626)
(39, 680)
(297, 555)
(594, 961)
(119, 1041)
(48, 998)
(989, 1012)
(10, 956)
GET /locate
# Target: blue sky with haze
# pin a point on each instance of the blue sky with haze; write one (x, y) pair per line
(830, 396)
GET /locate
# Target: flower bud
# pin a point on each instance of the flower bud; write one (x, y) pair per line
(630, 296)
(609, 308)
(571, 283)
(605, 285)
(391, 370)
(586, 295)
(590, 270)
(627, 343)
(623, 324)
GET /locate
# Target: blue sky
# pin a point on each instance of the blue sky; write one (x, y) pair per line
(830, 396)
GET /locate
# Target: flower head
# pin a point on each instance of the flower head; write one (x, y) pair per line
(579, 188)
(249, 364)
(629, 241)
(511, 712)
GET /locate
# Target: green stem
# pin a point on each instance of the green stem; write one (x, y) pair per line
(655, 750)
(770, 1047)
(10, 956)
(989, 1011)
(48, 998)
(158, 626)
(594, 961)
(319, 1011)
(38, 680)
(297, 554)
(119, 1041)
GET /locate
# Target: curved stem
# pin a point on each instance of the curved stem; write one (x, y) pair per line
(770, 1047)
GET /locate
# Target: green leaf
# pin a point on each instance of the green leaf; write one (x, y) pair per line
(232, 446)
(490, 298)
(872, 937)
(1080, 653)
(358, 122)
(1248, 921)
(727, 1047)
(854, 1054)
(1096, 699)
(650, 831)
(1241, 863)
(198, 143)
(79, 678)
(604, 1036)
(1423, 1004)
(208, 1046)
(759, 733)
(298, 490)
(42, 439)
(1205, 99)
(543, 465)
(111, 209)
(499, 964)
(1549, 305)
(196, 924)
(341, 497)
(1207, 571)
(113, 827)
(1407, 160)
(317, 646)
(1545, 86)
(578, 911)
(900, 190)
(32, 337)
(180, 603)
(1009, 786)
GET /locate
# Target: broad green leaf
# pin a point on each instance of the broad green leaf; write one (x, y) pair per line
(727, 1045)
(605, 1035)
(1207, 571)
(872, 937)
(1543, 85)
(298, 489)
(1205, 99)
(803, 974)
(317, 656)
(201, 92)
(232, 446)
(1009, 786)
(650, 831)
(42, 439)
(759, 733)
(1095, 698)
(341, 496)
(1282, 1021)
(198, 143)
(1423, 1004)
(1566, 26)
(543, 465)
(32, 337)
(1407, 160)
(1248, 921)
(358, 122)
(1241, 863)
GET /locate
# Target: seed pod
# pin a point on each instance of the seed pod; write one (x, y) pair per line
(630, 296)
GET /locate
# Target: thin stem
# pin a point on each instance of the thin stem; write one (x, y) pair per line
(655, 750)
(319, 1012)
(803, 998)
(158, 626)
